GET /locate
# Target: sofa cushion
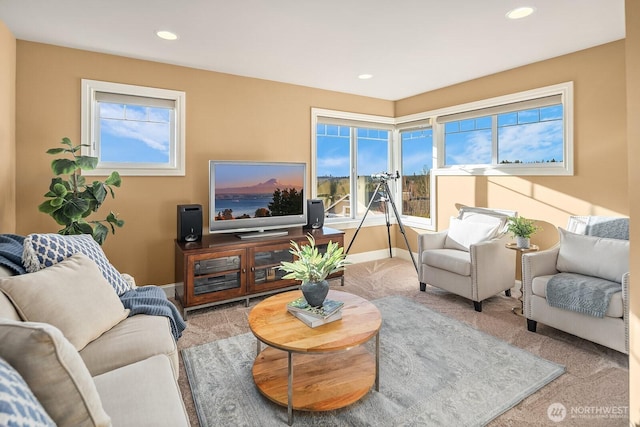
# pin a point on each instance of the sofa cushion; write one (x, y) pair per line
(157, 400)
(54, 371)
(7, 310)
(143, 336)
(616, 305)
(593, 256)
(18, 405)
(72, 295)
(464, 233)
(45, 250)
(452, 260)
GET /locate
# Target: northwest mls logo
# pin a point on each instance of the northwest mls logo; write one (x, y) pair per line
(556, 412)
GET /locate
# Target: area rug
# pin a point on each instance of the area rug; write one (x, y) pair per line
(434, 371)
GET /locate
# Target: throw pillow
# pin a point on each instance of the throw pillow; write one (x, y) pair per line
(18, 405)
(54, 372)
(462, 234)
(593, 256)
(71, 295)
(44, 250)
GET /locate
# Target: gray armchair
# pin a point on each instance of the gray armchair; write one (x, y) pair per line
(469, 259)
(596, 251)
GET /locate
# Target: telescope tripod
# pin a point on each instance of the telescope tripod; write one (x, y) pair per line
(385, 197)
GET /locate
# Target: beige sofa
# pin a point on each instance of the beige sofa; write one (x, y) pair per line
(586, 257)
(91, 365)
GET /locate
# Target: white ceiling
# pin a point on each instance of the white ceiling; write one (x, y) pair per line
(410, 46)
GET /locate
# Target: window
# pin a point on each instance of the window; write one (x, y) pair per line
(416, 147)
(133, 129)
(347, 153)
(529, 133)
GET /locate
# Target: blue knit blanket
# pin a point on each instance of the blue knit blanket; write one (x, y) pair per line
(582, 294)
(11, 252)
(153, 301)
(606, 226)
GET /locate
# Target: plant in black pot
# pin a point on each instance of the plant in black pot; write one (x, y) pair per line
(312, 268)
(522, 229)
(71, 199)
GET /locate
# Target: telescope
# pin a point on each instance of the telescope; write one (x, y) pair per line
(386, 175)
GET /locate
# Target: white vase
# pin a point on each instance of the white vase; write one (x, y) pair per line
(523, 242)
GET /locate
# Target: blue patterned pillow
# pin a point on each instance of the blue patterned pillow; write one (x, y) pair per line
(18, 406)
(44, 250)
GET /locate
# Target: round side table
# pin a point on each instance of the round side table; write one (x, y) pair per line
(520, 251)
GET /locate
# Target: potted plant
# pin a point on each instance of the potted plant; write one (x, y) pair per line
(312, 268)
(71, 200)
(522, 229)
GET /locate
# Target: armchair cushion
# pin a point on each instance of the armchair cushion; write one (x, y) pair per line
(593, 256)
(455, 261)
(464, 233)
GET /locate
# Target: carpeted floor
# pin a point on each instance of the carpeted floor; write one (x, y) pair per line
(595, 381)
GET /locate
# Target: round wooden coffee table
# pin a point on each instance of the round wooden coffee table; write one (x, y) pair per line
(330, 369)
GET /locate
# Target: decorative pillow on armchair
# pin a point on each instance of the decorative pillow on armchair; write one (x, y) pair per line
(593, 256)
(44, 250)
(462, 233)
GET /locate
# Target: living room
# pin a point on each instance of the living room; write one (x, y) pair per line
(226, 114)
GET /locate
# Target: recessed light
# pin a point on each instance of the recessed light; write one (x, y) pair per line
(365, 76)
(167, 35)
(520, 12)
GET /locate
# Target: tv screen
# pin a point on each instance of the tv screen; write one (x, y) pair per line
(256, 196)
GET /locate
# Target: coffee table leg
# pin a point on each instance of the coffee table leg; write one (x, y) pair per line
(290, 390)
(258, 348)
(378, 361)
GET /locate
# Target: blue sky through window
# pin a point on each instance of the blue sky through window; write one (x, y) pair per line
(134, 134)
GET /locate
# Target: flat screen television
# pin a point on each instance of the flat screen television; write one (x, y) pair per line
(249, 198)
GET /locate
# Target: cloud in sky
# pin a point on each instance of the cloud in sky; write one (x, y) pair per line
(154, 134)
(533, 142)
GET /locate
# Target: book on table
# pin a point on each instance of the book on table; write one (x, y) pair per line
(314, 322)
(328, 308)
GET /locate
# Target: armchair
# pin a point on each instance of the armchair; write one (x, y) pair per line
(470, 258)
(585, 255)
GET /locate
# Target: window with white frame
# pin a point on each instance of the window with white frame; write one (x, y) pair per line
(416, 163)
(347, 153)
(527, 133)
(135, 130)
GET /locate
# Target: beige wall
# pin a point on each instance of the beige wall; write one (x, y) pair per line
(228, 118)
(633, 142)
(600, 183)
(7, 130)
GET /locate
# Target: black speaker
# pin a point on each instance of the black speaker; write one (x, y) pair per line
(189, 223)
(315, 213)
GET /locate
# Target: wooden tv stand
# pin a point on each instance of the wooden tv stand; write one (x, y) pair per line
(222, 268)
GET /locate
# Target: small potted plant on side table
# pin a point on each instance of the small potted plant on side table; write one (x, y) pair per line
(522, 229)
(312, 268)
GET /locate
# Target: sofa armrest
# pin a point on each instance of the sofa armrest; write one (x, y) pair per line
(535, 264)
(625, 305)
(494, 266)
(427, 241)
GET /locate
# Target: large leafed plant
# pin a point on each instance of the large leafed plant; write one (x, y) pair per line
(70, 199)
